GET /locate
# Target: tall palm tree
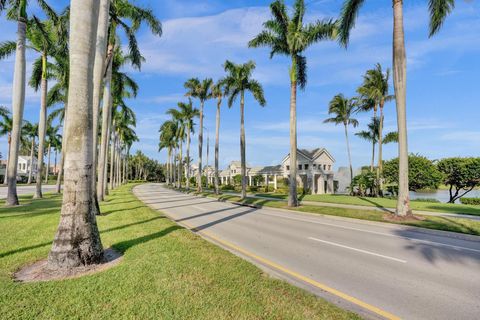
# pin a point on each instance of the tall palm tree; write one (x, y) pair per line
(188, 113)
(6, 130)
(438, 9)
(202, 91)
(53, 138)
(180, 135)
(342, 108)
(31, 131)
(238, 81)
(375, 88)
(17, 10)
(167, 140)
(77, 241)
(288, 35)
(218, 93)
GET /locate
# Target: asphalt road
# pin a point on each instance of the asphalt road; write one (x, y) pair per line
(26, 190)
(378, 270)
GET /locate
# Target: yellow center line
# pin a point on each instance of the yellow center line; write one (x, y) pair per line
(358, 302)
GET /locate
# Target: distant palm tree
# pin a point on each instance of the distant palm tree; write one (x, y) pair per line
(439, 9)
(342, 108)
(53, 138)
(188, 113)
(375, 88)
(180, 136)
(218, 92)
(238, 81)
(31, 131)
(202, 91)
(167, 140)
(289, 36)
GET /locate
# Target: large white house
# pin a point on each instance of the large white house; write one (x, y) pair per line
(25, 165)
(314, 173)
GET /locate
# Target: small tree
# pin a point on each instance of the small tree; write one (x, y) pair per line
(422, 173)
(237, 179)
(460, 174)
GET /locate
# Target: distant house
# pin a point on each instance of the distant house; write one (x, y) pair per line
(25, 165)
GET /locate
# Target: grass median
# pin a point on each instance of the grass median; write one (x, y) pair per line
(459, 225)
(167, 272)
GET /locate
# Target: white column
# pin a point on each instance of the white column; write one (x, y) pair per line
(250, 180)
(275, 182)
(265, 177)
(330, 184)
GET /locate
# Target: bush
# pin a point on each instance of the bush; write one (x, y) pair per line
(227, 187)
(252, 189)
(432, 200)
(473, 201)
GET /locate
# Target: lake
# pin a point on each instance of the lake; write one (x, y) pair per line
(442, 195)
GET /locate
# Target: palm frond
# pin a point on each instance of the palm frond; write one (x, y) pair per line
(439, 10)
(348, 16)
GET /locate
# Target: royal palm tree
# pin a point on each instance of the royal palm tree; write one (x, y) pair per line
(438, 9)
(188, 113)
(31, 131)
(375, 89)
(218, 93)
(167, 140)
(180, 135)
(77, 241)
(202, 91)
(238, 81)
(17, 10)
(52, 139)
(342, 108)
(289, 36)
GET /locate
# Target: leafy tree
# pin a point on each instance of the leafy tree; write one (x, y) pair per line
(363, 184)
(289, 36)
(237, 82)
(342, 108)
(438, 10)
(462, 175)
(422, 173)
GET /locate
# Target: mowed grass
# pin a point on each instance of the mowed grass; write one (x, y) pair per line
(167, 272)
(459, 225)
(384, 203)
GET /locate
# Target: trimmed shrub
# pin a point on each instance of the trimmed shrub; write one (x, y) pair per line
(227, 187)
(432, 200)
(472, 201)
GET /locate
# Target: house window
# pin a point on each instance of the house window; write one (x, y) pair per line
(314, 166)
(299, 167)
(288, 167)
(306, 167)
(329, 167)
(324, 167)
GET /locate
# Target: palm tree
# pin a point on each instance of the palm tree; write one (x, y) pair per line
(17, 10)
(237, 81)
(180, 135)
(188, 113)
(439, 9)
(168, 141)
(289, 36)
(202, 91)
(77, 241)
(375, 88)
(53, 138)
(342, 108)
(6, 130)
(217, 92)
(31, 131)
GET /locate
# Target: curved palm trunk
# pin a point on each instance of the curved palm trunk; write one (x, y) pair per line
(47, 171)
(98, 72)
(18, 104)
(77, 241)
(292, 194)
(242, 146)
(106, 114)
(32, 147)
(189, 129)
(349, 158)
(200, 147)
(42, 128)
(62, 153)
(400, 85)
(217, 143)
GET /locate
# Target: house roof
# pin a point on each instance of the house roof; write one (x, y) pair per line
(312, 154)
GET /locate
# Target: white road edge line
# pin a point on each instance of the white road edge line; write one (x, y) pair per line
(358, 250)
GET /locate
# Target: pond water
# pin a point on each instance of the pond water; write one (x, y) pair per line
(442, 195)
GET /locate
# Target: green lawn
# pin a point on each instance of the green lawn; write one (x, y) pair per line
(438, 223)
(167, 272)
(385, 203)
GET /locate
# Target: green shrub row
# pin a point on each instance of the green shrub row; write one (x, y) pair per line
(474, 201)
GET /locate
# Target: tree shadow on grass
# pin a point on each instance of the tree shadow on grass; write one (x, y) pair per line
(109, 212)
(376, 204)
(125, 245)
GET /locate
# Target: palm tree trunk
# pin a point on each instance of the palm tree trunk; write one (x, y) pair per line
(47, 171)
(380, 147)
(62, 154)
(18, 104)
(189, 129)
(169, 167)
(200, 147)
(292, 195)
(112, 155)
(180, 165)
(77, 241)
(106, 114)
(42, 128)
(400, 85)
(29, 181)
(349, 158)
(372, 163)
(242, 146)
(217, 143)
(5, 178)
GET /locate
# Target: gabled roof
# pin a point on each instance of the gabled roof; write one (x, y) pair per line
(311, 154)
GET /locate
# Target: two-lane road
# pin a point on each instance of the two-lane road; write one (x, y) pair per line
(30, 189)
(375, 269)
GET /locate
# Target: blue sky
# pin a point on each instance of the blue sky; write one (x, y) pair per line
(443, 91)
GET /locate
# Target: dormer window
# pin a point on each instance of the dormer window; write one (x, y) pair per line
(306, 166)
(324, 167)
(299, 167)
(314, 166)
